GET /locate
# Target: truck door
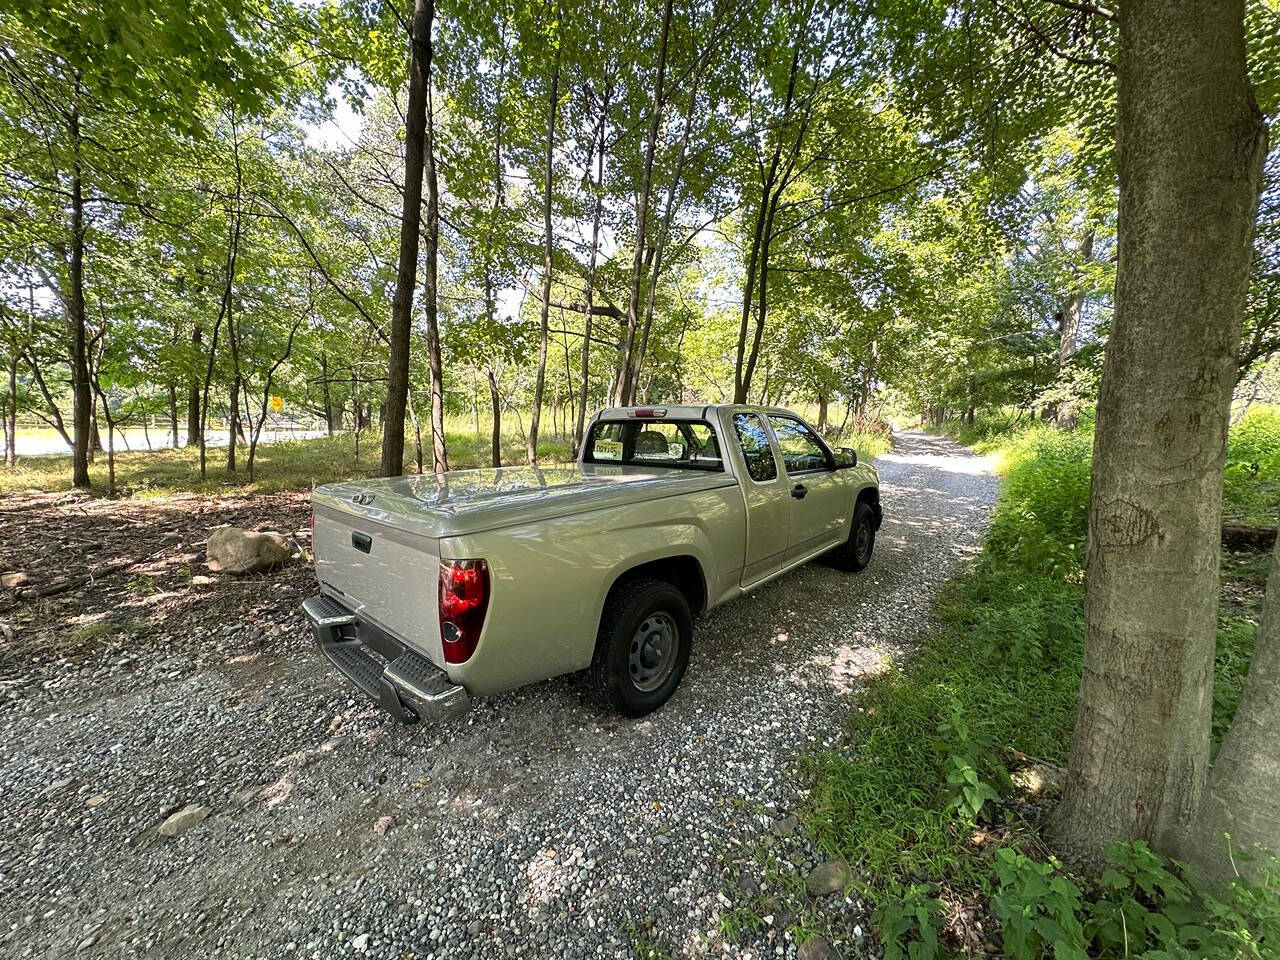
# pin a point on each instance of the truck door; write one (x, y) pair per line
(818, 495)
(768, 499)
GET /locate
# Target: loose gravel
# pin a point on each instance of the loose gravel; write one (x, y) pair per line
(536, 826)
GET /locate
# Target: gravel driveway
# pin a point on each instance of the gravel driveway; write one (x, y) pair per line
(537, 826)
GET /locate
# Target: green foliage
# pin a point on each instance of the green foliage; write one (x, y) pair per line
(1233, 651)
(1038, 908)
(923, 775)
(1252, 484)
(908, 920)
(1041, 525)
(974, 776)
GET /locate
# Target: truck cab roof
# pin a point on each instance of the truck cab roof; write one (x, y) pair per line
(676, 411)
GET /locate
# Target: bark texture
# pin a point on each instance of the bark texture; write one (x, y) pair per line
(81, 401)
(439, 455)
(1240, 811)
(1190, 150)
(193, 396)
(623, 389)
(540, 384)
(1072, 310)
(415, 130)
(584, 372)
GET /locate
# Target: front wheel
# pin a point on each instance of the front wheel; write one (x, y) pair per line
(642, 647)
(855, 553)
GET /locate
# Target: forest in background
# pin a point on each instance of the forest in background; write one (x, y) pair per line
(905, 205)
(916, 208)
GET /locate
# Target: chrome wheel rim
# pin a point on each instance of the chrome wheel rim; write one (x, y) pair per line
(653, 652)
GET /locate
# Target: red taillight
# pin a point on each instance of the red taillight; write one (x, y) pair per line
(648, 413)
(464, 599)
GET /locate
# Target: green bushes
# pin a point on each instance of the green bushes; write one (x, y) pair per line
(920, 798)
(1252, 482)
(1041, 524)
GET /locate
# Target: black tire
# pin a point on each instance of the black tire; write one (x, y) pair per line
(630, 605)
(855, 553)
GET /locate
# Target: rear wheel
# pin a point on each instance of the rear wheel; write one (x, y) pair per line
(855, 553)
(642, 647)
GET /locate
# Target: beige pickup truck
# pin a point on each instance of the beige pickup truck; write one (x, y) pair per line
(437, 588)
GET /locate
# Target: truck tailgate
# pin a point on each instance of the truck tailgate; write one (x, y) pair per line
(384, 575)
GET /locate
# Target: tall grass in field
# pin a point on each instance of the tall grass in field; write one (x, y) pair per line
(283, 465)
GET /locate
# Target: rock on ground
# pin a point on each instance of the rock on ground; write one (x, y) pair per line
(179, 823)
(815, 948)
(828, 878)
(230, 550)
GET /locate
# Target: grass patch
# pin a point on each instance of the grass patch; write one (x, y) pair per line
(1252, 484)
(921, 800)
(285, 465)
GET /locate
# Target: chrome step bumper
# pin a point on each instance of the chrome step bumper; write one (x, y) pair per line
(404, 683)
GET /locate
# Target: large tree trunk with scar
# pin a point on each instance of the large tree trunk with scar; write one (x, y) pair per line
(1190, 150)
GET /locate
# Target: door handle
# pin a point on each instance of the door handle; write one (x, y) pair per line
(799, 490)
(361, 541)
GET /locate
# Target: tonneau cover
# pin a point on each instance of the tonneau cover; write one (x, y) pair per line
(470, 501)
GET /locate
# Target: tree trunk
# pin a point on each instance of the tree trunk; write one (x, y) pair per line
(233, 425)
(417, 431)
(1242, 798)
(415, 128)
(11, 419)
(664, 230)
(1072, 309)
(111, 446)
(584, 370)
(328, 399)
(624, 388)
(81, 402)
(822, 412)
(1190, 148)
(173, 416)
(9, 401)
(496, 402)
(235, 218)
(55, 414)
(193, 398)
(439, 455)
(758, 259)
(541, 382)
(266, 395)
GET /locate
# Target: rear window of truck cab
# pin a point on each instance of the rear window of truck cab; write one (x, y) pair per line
(687, 444)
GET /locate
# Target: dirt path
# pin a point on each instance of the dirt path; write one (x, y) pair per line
(537, 826)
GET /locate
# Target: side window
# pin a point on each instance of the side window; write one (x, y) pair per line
(754, 440)
(801, 448)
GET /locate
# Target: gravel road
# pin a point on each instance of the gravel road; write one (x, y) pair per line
(536, 826)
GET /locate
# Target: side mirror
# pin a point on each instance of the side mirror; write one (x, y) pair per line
(846, 457)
